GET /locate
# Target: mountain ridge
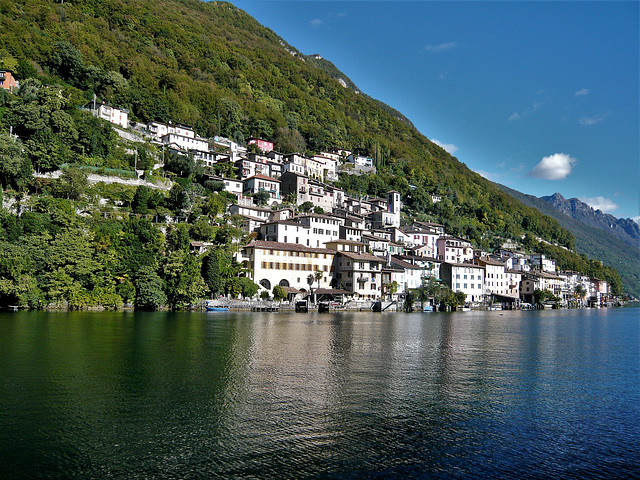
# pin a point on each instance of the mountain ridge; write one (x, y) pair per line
(592, 241)
(623, 228)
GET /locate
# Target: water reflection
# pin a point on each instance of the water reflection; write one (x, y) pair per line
(300, 396)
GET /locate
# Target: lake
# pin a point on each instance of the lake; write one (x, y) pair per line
(534, 394)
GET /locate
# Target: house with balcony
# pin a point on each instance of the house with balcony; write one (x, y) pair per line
(117, 116)
(256, 165)
(540, 262)
(454, 249)
(262, 183)
(182, 142)
(357, 271)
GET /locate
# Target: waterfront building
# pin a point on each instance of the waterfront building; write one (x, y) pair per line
(532, 281)
(357, 271)
(287, 264)
(466, 278)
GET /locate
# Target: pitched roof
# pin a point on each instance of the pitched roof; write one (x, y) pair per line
(262, 177)
(361, 256)
(292, 247)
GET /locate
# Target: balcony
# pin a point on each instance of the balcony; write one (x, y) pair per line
(363, 279)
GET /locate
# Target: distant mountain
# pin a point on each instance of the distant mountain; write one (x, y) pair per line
(595, 242)
(623, 228)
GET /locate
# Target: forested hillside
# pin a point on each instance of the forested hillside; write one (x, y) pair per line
(212, 66)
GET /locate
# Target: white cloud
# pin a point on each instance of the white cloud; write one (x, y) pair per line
(553, 167)
(533, 108)
(582, 92)
(441, 47)
(636, 219)
(449, 147)
(316, 22)
(591, 120)
(601, 203)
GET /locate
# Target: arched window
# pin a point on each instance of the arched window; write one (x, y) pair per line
(265, 283)
(284, 283)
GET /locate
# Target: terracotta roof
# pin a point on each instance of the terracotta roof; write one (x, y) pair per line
(362, 256)
(403, 264)
(262, 177)
(342, 241)
(294, 247)
(331, 291)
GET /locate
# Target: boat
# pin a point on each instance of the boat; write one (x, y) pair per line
(216, 308)
(323, 307)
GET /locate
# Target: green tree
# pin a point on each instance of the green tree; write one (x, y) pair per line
(140, 203)
(15, 166)
(279, 293)
(149, 292)
(212, 273)
(261, 198)
(65, 61)
(183, 283)
(178, 199)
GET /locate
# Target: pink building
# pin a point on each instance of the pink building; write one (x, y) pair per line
(263, 145)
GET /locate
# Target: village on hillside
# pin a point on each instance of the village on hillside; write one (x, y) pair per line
(309, 236)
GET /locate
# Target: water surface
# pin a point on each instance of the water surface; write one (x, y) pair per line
(552, 394)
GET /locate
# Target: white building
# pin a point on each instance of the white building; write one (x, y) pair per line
(454, 249)
(262, 183)
(323, 228)
(466, 278)
(159, 130)
(185, 143)
(287, 264)
(541, 262)
(286, 231)
(360, 160)
(117, 116)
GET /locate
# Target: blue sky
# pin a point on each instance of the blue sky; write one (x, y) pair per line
(539, 96)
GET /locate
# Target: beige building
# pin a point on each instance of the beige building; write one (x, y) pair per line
(357, 271)
(287, 264)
